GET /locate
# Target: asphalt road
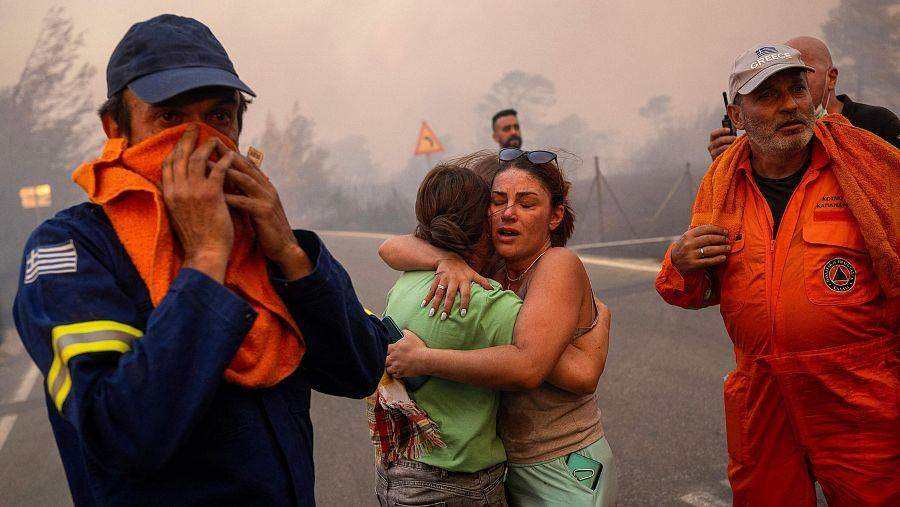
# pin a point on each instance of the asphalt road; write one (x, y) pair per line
(661, 396)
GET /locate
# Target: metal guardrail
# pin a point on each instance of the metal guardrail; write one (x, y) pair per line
(585, 246)
(625, 242)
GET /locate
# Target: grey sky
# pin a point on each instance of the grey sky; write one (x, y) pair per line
(377, 68)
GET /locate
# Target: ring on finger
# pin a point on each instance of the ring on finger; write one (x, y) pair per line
(701, 252)
(441, 287)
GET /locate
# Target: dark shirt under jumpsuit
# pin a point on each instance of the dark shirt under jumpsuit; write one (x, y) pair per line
(876, 119)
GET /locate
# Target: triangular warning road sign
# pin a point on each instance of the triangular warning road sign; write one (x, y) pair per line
(428, 142)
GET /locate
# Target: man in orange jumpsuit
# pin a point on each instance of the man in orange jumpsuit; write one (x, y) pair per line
(815, 393)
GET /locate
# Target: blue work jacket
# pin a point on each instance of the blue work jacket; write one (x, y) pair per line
(135, 394)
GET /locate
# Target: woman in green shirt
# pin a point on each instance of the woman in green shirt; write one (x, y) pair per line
(450, 210)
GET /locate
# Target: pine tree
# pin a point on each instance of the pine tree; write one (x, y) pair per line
(46, 132)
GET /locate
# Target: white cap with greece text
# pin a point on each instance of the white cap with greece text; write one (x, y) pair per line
(758, 63)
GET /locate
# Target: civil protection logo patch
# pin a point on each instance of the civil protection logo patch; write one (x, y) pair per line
(839, 275)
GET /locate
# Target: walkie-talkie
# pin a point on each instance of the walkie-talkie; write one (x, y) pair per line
(726, 121)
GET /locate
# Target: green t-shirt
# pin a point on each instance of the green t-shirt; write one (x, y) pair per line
(465, 414)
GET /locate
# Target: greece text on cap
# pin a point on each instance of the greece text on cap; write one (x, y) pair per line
(770, 58)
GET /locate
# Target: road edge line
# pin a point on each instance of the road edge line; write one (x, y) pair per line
(27, 383)
(25, 386)
(587, 259)
(614, 263)
(6, 425)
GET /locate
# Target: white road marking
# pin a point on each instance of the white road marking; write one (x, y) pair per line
(25, 386)
(646, 267)
(358, 234)
(6, 426)
(626, 242)
(10, 346)
(704, 499)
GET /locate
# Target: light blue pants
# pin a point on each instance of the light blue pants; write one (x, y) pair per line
(550, 483)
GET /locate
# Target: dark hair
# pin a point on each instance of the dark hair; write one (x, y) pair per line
(484, 163)
(552, 179)
(501, 114)
(451, 209)
(116, 107)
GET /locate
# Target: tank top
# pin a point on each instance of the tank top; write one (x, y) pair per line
(547, 422)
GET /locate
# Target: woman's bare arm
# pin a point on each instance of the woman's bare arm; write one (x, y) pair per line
(543, 330)
(409, 253)
(583, 361)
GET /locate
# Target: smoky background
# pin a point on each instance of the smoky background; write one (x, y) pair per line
(628, 90)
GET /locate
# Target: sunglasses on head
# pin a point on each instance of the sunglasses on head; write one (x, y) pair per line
(535, 157)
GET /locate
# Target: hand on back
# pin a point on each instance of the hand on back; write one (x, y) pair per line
(404, 356)
(452, 276)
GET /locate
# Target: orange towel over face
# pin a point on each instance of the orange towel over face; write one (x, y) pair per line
(866, 167)
(123, 180)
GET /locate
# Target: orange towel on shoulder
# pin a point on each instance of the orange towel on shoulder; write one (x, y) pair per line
(868, 170)
(123, 180)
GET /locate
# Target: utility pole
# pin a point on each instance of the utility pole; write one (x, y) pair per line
(615, 200)
(599, 194)
(686, 175)
(687, 170)
(36, 197)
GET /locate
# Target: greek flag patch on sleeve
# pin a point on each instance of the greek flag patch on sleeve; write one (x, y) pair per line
(52, 259)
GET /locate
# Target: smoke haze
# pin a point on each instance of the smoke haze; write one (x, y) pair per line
(629, 88)
(377, 68)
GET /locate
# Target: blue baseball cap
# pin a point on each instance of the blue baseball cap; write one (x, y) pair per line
(159, 58)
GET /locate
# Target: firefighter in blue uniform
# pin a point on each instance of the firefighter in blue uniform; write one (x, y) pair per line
(135, 390)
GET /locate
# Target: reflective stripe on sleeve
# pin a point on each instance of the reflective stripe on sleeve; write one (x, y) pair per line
(71, 340)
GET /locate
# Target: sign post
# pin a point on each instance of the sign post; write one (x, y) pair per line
(36, 197)
(427, 144)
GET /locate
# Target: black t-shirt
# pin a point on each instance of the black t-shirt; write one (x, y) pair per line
(778, 191)
(877, 120)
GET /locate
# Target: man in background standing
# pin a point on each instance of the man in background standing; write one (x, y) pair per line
(506, 130)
